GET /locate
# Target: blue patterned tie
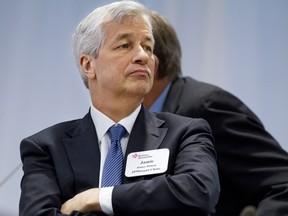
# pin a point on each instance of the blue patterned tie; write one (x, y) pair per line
(113, 166)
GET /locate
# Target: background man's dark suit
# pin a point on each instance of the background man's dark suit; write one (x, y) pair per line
(249, 158)
(64, 160)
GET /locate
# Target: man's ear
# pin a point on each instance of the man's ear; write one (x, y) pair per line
(86, 65)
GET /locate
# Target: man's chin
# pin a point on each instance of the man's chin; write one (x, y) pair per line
(141, 89)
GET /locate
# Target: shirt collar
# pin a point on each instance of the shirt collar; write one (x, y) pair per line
(102, 122)
(158, 104)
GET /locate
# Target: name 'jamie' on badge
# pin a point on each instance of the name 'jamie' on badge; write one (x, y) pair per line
(147, 162)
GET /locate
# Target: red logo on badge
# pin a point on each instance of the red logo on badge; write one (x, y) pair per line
(134, 156)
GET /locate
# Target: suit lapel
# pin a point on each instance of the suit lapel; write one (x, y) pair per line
(146, 134)
(84, 154)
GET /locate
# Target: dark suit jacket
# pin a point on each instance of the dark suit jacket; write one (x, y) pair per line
(253, 168)
(63, 160)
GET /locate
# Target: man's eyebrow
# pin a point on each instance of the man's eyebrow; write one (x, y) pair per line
(149, 38)
(128, 36)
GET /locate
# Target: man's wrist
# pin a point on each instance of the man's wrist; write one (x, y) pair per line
(92, 200)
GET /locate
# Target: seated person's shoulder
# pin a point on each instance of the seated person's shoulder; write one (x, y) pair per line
(53, 131)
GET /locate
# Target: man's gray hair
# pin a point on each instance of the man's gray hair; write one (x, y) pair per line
(89, 34)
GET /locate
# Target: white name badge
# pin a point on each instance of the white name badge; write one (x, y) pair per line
(147, 162)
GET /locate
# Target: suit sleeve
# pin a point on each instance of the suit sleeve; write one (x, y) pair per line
(40, 193)
(251, 162)
(190, 187)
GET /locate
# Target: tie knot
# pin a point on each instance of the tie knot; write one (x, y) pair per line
(116, 132)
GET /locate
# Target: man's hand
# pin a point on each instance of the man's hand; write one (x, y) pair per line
(87, 201)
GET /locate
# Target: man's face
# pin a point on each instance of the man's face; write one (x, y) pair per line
(125, 63)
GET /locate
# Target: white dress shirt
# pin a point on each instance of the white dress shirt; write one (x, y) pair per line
(102, 124)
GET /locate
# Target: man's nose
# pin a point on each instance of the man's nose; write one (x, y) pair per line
(141, 56)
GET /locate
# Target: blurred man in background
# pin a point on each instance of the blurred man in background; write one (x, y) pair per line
(253, 167)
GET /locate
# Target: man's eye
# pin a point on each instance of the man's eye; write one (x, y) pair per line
(123, 46)
(148, 48)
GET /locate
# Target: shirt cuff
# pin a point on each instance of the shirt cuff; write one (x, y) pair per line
(105, 200)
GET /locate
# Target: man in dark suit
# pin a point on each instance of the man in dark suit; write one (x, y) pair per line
(169, 161)
(253, 168)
